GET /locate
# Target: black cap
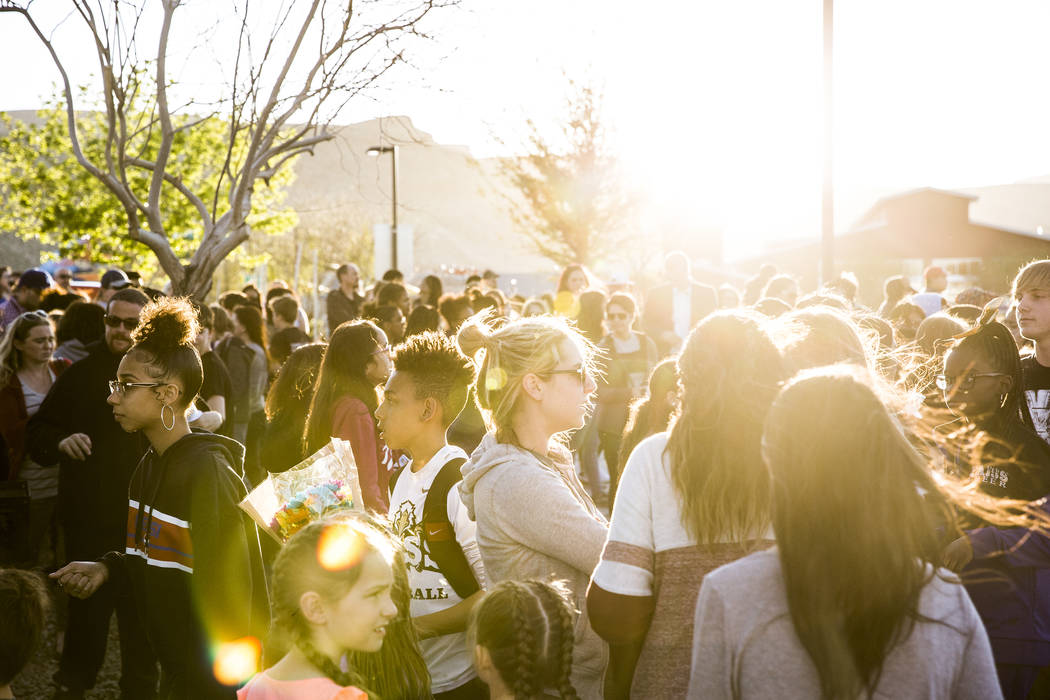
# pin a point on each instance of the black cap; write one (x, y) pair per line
(34, 279)
(114, 279)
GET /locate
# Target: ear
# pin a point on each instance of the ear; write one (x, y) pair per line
(430, 409)
(533, 386)
(167, 394)
(1006, 384)
(313, 608)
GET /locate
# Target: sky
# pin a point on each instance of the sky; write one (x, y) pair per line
(715, 107)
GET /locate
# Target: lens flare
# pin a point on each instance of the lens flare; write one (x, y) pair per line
(565, 304)
(339, 547)
(495, 379)
(237, 661)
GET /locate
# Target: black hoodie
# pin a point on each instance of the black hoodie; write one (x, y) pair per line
(192, 559)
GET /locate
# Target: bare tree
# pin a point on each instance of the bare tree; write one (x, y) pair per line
(287, 82)
(566, 194)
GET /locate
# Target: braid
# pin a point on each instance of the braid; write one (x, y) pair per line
(562, 631)
(328, 667)
(524, 685)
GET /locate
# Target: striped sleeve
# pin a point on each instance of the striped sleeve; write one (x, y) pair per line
(626, 566)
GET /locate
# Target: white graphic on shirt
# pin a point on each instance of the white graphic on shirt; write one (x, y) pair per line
(1039, 408)
(410, 531)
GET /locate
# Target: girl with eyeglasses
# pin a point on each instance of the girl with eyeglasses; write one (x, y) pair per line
(629, 357)
(534, 518)
(356, 363)
(192, 558)
(27, 372)
(1006, 571)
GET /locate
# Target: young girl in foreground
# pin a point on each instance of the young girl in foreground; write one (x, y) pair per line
(523, 634)
(332, 595)
(849, 603)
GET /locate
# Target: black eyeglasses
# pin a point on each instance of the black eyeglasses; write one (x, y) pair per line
(128, 323)
(39, 313)
(581, 373)
(116, 387)
(945, 382)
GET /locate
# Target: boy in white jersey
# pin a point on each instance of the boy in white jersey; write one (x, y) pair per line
(425, 393)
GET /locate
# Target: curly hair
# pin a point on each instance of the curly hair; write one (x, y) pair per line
(164, 342)
(438, 370)
(527, 628)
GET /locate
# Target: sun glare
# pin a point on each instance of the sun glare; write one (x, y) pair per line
(237, 661)
(340, 547)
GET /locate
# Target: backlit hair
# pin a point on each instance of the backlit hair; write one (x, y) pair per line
(438, 370)
(527, 628)
(10, 357)
(520, 347)
(729, 371)
(1034, 275)
(164, 344)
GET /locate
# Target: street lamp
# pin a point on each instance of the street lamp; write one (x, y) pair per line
(375, 151)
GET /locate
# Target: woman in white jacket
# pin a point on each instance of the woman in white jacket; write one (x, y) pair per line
(534, 518)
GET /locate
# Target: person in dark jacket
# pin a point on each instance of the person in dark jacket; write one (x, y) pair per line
(1007, 571)
(75, 428)
(344, 303)
(191, 558)
(672, 309)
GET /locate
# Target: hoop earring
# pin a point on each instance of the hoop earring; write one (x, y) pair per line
(167, 427)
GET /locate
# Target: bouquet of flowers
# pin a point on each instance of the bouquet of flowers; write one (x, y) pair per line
(323, 483)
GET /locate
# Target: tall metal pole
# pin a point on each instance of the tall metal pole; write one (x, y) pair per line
(393, 192)
(827, 214)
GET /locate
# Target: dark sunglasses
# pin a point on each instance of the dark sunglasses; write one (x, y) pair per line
(115, 321)
(618, 317)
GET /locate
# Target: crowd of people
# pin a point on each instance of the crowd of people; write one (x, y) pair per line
(592, 493)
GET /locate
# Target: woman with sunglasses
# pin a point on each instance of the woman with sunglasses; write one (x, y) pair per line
(1006, 571)
(27, 372)
(630, 357)
(355, 364)
(192, 559)
(534, 518)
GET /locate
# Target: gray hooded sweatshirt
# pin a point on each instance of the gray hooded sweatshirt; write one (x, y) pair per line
(535, 521)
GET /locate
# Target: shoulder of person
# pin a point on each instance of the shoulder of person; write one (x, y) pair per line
(754, 568)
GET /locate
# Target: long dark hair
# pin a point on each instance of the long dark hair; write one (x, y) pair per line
(342, 374)
(434, 290)
(293, 389)
(729, 372)
(652, 413)
(853, 529)
(563, 281)
(252, 319)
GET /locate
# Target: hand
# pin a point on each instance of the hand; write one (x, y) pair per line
(209, 420)
(958, 554)
(76, 446)
(80, 579)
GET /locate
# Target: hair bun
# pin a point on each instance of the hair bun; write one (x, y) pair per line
(474, 335)
(167, 322)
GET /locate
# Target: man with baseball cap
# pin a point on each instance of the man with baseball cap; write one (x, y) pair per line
(112, 281)
(25, 296)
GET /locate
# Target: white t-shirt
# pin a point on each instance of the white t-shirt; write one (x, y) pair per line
(447, 657)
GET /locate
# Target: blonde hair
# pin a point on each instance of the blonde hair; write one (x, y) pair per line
(1034, 275)
(511, 351)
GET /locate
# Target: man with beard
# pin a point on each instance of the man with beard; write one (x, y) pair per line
(75, 427)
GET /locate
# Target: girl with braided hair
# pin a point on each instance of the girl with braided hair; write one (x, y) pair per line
(332, 595)
(1005, 570)
(523, 640)
(192, 558)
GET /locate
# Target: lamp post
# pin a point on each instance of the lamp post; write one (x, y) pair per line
(375, 151)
